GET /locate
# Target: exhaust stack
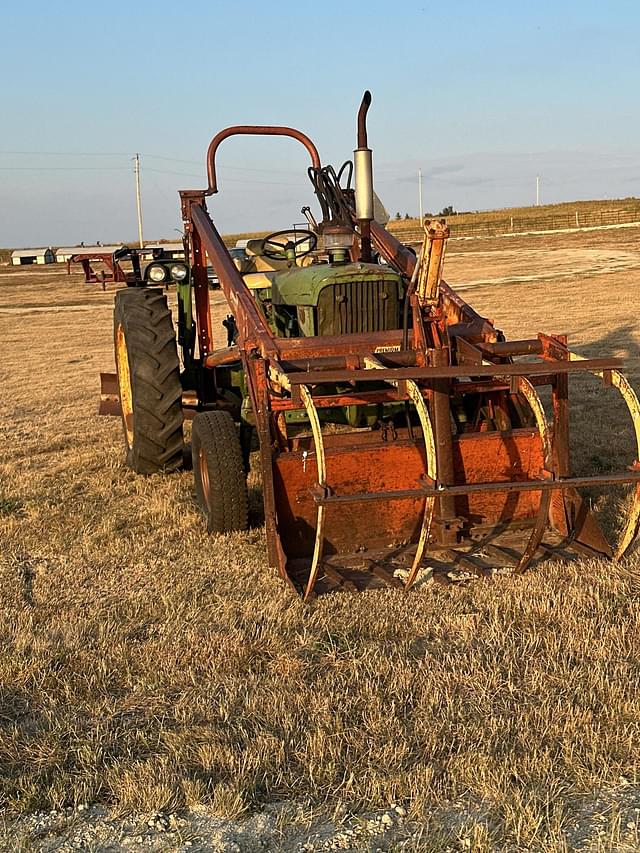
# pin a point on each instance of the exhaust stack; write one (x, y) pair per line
(363, 162)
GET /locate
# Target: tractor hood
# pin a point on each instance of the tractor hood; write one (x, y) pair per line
(304, 285)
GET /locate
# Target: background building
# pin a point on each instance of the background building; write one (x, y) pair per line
(20, 257)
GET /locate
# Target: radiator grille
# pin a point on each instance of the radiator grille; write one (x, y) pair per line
(358, 306)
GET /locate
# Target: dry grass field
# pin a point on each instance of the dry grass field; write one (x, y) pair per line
(146, 666)
(570, 214)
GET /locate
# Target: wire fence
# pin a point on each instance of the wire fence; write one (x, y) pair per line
(556, 221)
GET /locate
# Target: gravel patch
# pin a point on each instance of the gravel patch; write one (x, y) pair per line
(606, 821)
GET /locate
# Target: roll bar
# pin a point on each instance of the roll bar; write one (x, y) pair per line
(254, 130)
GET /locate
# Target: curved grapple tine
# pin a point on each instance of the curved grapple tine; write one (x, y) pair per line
(430, 502)
(542, 520)
(312, 414)
(632, 526)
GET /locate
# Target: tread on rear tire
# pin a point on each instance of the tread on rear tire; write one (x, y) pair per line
(149, 380)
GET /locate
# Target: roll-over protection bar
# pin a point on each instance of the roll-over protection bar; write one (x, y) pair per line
(254, 130)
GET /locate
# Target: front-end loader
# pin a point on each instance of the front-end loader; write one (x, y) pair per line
(397, 429)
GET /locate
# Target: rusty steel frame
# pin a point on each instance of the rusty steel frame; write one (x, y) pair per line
(115, 272)
(450, 351)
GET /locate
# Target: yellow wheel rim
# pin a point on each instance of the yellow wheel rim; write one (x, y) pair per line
(124, 384)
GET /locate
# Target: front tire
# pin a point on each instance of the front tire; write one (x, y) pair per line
(219, 471)
(148, 380)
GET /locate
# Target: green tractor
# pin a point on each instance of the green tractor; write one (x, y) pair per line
(392, 419)
(301, 292)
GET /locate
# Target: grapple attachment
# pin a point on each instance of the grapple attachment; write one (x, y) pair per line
(364, 508)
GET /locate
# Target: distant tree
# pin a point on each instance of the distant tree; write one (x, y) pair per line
(406, 216)
(449, 210)
(398, 215)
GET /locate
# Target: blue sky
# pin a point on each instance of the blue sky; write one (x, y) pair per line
(481, 97)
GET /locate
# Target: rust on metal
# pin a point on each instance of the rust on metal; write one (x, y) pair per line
(431, 374)
(254, 130)
(113, 272)
(443, 449)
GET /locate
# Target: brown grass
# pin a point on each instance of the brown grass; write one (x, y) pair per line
(534, 212)
(525, 219)
(148, 666)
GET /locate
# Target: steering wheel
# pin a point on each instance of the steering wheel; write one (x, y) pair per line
(288, 245)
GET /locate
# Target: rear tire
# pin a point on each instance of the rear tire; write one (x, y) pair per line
(148, 380)
(221, 485)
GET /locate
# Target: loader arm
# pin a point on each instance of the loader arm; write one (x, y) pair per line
(456, 309)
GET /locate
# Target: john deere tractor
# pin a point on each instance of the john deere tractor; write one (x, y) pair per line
(300, 290)
(391, 418)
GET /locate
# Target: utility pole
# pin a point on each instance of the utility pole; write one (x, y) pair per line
(420, 193)
(138, 199)
(537, 190)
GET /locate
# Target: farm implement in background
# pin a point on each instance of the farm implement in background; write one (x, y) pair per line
(120, 264)
(109, 270)
(397, 428)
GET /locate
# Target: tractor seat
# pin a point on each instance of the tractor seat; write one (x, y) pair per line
(256, 262)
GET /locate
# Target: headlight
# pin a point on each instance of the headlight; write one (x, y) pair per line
(179, 272)
(157, 272)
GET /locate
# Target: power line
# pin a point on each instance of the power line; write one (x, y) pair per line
(224, 166)
(231, 180)
(132, 154)
(64, 168)
(70, 153)
(147, 169)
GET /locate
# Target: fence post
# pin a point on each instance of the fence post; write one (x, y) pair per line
(577, 220)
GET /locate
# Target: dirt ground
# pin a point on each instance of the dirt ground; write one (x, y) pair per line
(161, 690)
(514, 260)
